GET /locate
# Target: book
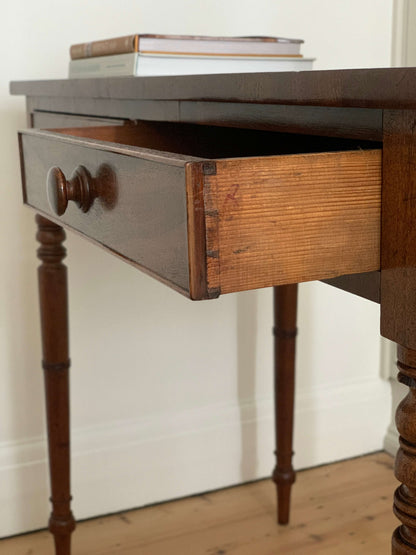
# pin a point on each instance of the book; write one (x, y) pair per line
(188, 44)
(138, 64)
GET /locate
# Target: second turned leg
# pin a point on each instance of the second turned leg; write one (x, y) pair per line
(54, 324)
(285, 313)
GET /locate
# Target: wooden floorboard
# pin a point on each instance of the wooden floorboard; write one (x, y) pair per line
(339, 509)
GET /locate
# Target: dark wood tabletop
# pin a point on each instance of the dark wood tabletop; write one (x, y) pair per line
(363, 88)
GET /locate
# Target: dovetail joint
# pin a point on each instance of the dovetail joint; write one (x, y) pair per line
(209, 168)
(214, 213)
(214, 292)
(213, 254)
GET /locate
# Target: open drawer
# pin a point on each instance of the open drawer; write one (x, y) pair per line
(211, 210)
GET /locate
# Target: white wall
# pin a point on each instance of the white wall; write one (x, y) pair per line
(171, 397)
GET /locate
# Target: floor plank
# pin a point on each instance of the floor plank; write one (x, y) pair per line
(339, 509)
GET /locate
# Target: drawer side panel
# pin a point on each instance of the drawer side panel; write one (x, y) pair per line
(290, 219)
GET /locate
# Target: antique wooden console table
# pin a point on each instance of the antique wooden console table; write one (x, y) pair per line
(222, 183)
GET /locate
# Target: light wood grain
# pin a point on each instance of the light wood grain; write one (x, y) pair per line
(288, 219)
(332, 513)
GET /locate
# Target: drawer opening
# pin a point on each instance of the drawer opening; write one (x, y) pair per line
(214, 142)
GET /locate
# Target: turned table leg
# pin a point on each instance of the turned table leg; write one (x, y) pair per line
(54, 324)
(404, 538)
(285, 308)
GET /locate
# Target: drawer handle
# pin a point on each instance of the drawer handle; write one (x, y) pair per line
(79, 188)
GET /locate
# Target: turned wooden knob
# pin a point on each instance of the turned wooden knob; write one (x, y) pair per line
(78, 188)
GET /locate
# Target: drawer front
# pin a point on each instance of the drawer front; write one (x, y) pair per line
(141, 212)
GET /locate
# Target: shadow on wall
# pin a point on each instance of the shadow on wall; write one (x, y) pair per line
(247, 304)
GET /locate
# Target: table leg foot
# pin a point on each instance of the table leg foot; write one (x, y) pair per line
(62, 538)
(285, 311)
(398, 545)
(53, 298)
(404, 538)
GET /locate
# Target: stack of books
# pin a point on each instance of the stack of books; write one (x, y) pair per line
(140, 55)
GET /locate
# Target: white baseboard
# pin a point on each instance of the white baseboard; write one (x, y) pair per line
(127, 464)
(391, 440)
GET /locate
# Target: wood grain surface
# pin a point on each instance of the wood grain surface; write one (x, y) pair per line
(398, 238)
(53, 298)
(290, 219)
(358, 123)
(404, 537)
(363, 88)
(285, 303)
(332, 514)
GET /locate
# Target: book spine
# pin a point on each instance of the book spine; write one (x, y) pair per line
(108, 47)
